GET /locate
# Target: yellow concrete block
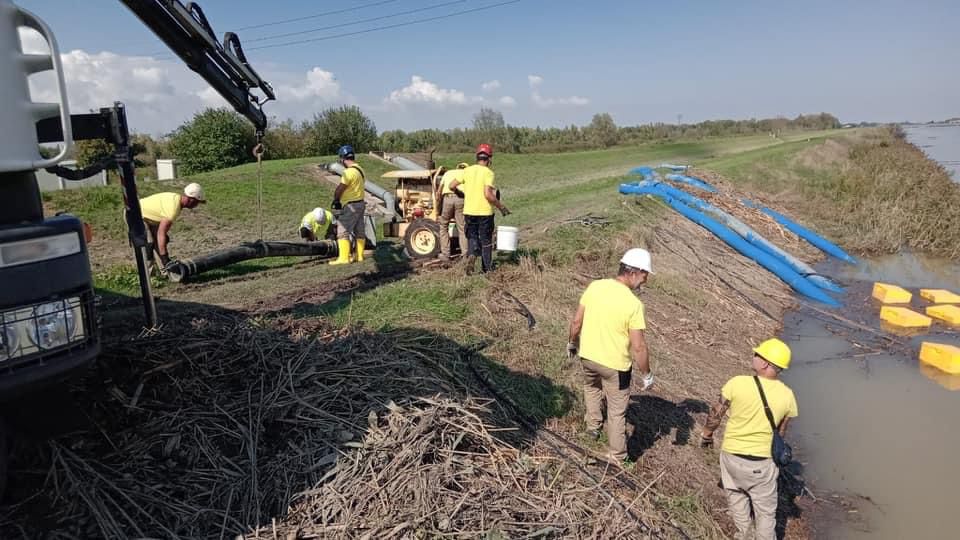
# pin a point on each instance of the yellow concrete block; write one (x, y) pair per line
(941, 356)
(944, 379)
(891, 294)
(940, 296)
(947, 313)
(901, 316)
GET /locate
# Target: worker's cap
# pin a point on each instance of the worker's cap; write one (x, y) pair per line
(319, 215)
(194, 191)
(774, 351)
(637, 258)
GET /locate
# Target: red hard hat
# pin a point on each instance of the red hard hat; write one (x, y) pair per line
(485, 149)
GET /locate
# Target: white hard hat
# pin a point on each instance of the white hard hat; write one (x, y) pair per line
(637, 258)
(319, 215)
(194, 191)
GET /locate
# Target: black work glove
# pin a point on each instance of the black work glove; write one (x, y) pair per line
(336, 205)
(458, 192)
(504, 211)
(164, 260)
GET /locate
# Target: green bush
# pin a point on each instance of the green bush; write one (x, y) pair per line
(338, 126)
(213, 139)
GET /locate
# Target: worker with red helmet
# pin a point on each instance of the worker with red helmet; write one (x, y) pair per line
(480, 198)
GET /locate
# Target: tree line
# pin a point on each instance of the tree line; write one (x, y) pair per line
(219, 138)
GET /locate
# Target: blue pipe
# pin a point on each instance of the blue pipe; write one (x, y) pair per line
(799, 283)
(645, 172)
(813, 238)
(691, 181)
(750, 235)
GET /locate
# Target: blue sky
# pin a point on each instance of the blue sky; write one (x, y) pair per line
(554, 62)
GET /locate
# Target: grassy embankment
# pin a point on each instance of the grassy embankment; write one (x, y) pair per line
(706, 305)
(873, 191)
(536, 187)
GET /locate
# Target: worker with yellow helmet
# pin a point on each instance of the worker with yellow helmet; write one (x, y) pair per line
(748, 470)
(451, 208)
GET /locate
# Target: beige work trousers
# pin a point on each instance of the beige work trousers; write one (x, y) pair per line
(452, 209)
(350, 222)
(751, 483)
(601, 382)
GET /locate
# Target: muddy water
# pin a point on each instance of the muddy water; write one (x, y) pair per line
(941, 142)
(878, 424)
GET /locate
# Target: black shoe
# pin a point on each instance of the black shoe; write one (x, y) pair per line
(594, 434)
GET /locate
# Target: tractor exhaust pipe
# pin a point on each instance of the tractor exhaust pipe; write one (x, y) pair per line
(250, 250)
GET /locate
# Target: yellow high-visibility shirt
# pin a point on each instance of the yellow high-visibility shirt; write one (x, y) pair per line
(448, 177)
(353, 178)
(475, 180)
(748, 430)
(160, 206)
(611, 311)
(311, 222)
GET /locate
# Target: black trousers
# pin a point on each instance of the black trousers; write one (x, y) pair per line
(480, 239)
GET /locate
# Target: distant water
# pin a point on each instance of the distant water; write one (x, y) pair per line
(941, 142)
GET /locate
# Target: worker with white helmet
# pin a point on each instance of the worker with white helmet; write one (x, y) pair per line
(160, 210)
(316, 224)
(607, 332)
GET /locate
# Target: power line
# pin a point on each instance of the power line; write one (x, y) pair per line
(362, 21)
(316, 15)
(386, 27)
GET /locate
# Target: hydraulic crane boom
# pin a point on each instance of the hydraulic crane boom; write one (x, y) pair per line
(185, 29)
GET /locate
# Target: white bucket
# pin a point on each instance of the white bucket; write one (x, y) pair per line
(507, 238)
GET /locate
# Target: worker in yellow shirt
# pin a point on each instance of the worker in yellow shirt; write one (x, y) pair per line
(160, 210)
(758, 405)
(480, 198)
(348, 199)
(316, 224)
(607, 333)
(451, 208)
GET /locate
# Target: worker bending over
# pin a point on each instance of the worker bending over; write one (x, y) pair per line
(316, 224)
(160, 211)
(348, 200)
(480, 198)
(451, 208)
(758, 405)
(608, 326)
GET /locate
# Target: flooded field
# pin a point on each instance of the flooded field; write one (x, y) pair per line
(875, 422)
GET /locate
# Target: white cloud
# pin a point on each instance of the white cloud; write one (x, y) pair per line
(507, 101)
(162, 94)
(318, 85)
(490, 86)
(545, 103)
(424, 92)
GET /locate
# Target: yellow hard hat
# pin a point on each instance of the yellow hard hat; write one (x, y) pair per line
(774, 351)
(462, 165)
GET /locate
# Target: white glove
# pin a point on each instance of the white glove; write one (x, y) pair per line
(647, 381)
(571, 350)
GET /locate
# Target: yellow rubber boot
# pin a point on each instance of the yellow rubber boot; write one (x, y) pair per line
(361, 245)
(343, 252)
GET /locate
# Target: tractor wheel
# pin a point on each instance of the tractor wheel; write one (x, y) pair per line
(422, 240)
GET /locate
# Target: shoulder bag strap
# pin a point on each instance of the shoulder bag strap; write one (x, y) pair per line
(766, 407)
(359, 170)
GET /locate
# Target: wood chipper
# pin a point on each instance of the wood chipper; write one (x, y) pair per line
(419, 211)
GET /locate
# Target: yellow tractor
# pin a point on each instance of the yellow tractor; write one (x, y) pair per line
(419, 210)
